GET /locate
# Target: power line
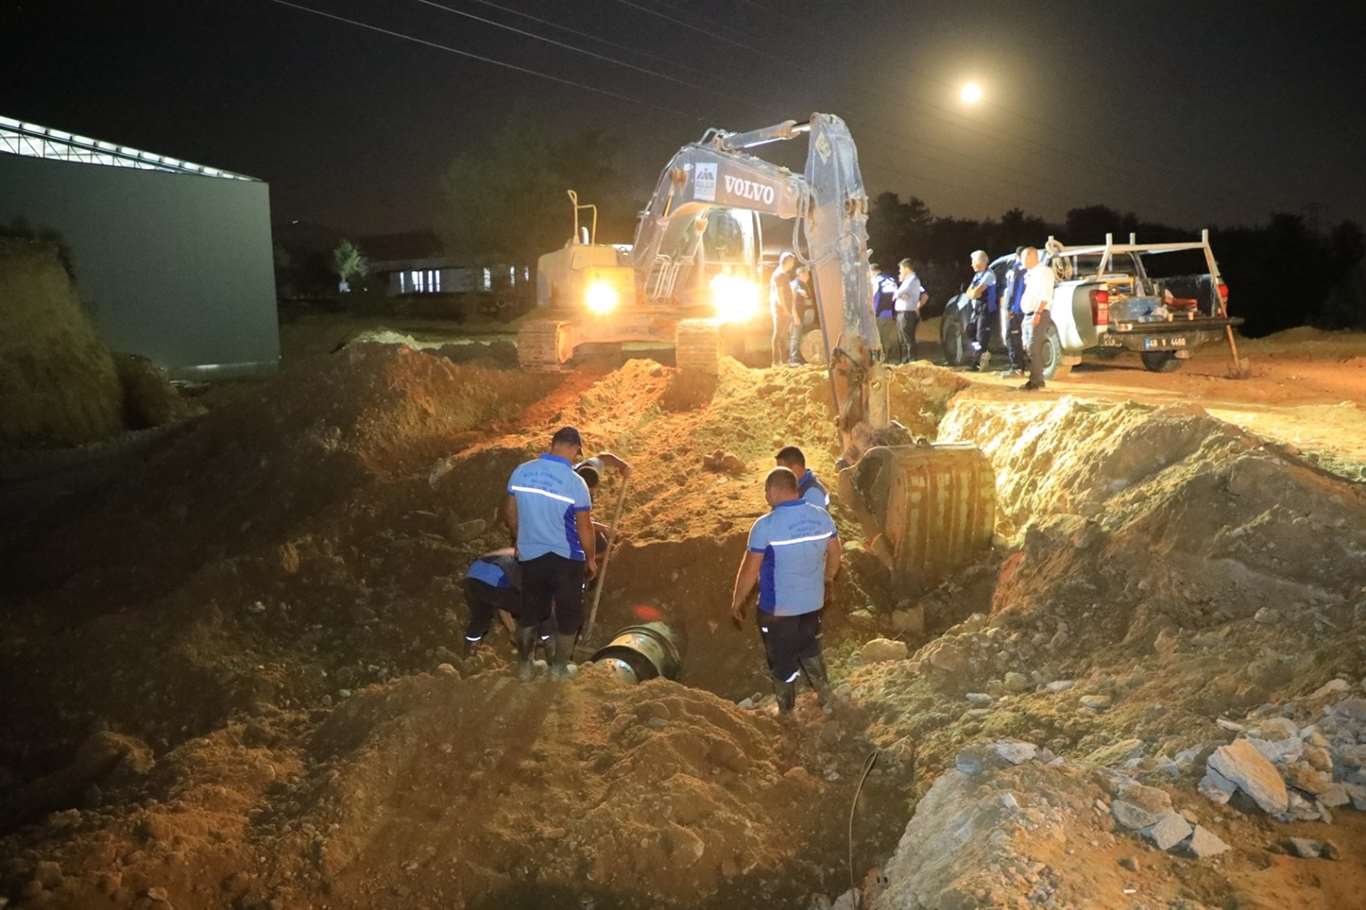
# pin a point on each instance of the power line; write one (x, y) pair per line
(564, 45)
(482, 59)
(690, 26)
(591, 37)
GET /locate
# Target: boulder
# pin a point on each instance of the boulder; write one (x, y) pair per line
(1132, 816)
(1204, 843)
(1170, 830)
(879, 650)
(1015, 751)
(1017, 682)
(1217, 788)
(1305, 848)
(1241, 763)
(948, 656)
(979, 699)
(1095, 702)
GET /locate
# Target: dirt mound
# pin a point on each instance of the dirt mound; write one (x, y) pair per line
(499, 353)
(58, 383)
(661, 791)
(149, 399)
(1182, 490)
(481, 792)
(1169, 568)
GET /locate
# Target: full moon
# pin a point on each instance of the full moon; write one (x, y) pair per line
(972, 93)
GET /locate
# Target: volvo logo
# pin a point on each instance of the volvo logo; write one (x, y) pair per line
(748, 189)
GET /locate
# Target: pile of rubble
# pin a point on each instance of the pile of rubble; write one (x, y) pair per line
(1295, 771)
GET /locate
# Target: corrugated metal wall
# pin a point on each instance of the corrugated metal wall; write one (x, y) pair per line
(176, 267)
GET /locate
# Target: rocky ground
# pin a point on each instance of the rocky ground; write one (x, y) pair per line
(231, 674)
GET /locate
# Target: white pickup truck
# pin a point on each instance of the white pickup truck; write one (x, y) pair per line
(1104, 302)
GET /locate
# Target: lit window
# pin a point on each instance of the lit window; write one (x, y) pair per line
(417, 282)
(512, 276)
(402, 283)
(526, 273)
(488, 279)
(436, 282)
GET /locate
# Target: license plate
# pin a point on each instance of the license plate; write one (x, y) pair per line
(1161, 342)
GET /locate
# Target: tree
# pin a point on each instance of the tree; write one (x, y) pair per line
(348, 262)
(505, 202)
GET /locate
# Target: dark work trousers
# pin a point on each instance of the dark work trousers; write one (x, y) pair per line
(891, 338)
(985, 321)
(552, 585)
(1037, 337)
(907, 322)
(787, 640)
(1015, 343)
(484, 601)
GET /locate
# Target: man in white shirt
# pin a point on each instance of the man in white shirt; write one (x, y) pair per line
(910, 297)
(1037, 297)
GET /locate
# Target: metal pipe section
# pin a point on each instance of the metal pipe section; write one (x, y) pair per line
(638, 653)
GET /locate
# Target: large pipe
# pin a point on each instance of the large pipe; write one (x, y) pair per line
(646, 651)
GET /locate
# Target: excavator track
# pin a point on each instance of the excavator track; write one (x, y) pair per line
(544, 344)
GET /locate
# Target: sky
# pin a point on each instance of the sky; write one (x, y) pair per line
(1194, 114)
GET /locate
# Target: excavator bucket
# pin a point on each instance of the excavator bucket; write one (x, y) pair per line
(928, 510)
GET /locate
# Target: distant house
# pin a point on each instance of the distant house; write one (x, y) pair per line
(445, 276)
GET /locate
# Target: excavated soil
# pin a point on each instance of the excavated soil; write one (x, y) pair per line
(231, 682)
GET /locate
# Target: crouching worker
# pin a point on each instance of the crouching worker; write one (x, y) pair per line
(793, 556)
(494, 583)
(549, 511)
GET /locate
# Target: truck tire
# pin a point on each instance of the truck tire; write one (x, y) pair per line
(1160, 361)
(1054, 365)
(953, 337)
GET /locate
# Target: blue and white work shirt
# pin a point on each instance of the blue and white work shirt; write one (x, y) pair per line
(1015, 286)
(549, 494)
(884, 295)
(988, 278)
(811, 490)
(497, 570)
(792, 539)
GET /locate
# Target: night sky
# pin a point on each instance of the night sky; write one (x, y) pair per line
(1191, 113)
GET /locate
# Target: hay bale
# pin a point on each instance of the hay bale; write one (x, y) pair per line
(149, 399)
(58, 383)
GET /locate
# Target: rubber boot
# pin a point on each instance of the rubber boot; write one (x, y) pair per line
(526, 643)
(547, 644)
(787, 696)
(560, 667)
(814, 668)
(470, 646)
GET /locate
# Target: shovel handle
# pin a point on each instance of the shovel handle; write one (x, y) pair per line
(606, 559)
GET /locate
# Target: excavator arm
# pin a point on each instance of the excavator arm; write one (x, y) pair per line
(828, 204)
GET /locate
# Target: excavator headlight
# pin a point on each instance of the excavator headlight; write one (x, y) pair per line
(601, 297)
(734, 299)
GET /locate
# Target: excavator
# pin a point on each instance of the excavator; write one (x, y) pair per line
(694, 272)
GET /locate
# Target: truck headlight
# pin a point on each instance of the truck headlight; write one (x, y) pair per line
(601, 297)
(734, 299)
